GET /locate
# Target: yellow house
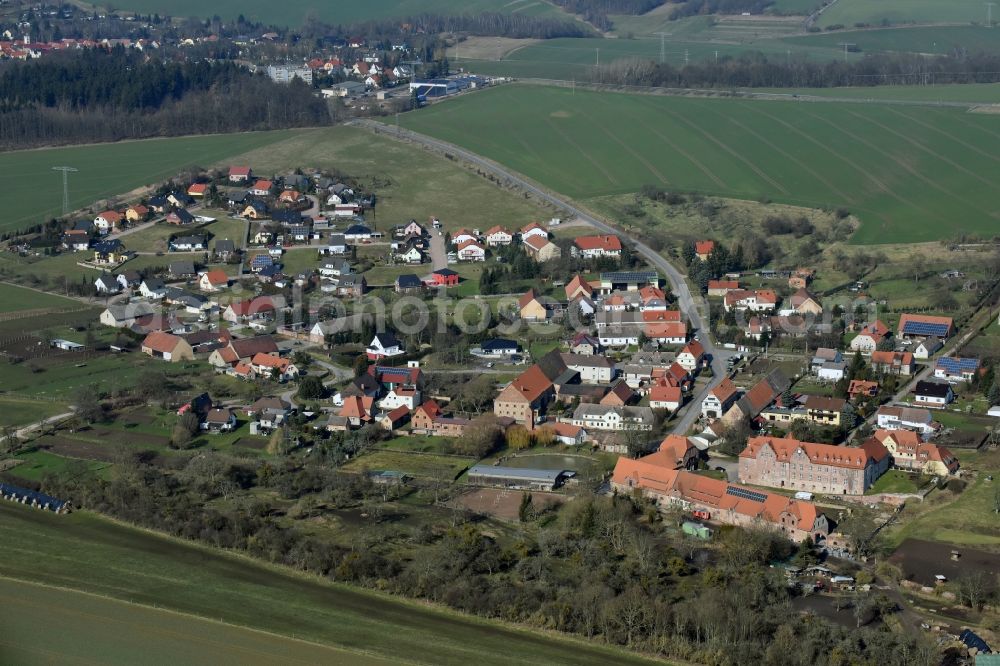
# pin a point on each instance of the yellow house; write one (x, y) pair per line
(532, 308)
(803, 302)
(136, 213)
(254, 211)
(815, 409)
(909, 452)
(109, 252)
(541, 249)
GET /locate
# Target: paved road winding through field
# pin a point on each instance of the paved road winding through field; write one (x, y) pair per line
(694, 308)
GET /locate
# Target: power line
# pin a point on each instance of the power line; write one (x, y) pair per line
(989, 13)
(65, 176)
(663, 45)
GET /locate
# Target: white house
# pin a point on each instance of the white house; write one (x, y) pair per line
(411, 256)
(384, 345)
(499, 236)
(927, 347)
(152, 288)
(462, 236)
(592, 369)
(691, 356)
(107, 284)
(618, 337)
(955, 369)
(400, 396)
(665, 397)
(831, 371)
(613, 418)
(567, 433)
(534, 229)
(107, 221)
(933, 394)
(719, 399)
(471, 251)
(213, 280)
(188, 243)
(496, 348)
(906, 418)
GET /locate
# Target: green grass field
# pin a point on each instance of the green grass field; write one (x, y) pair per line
(938, 40)
(410, 183)
(33, 191)
(568, 59)
(894, 481)
(296, 12)
(35, 465)
(17, 299)
(965, 519)
(87, 553)
(416, 464)
(19, 412)
(874, 160)
(143, 635)
(972, 93)
(849, 12)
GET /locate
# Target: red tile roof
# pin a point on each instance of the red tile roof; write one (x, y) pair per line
(661, 315)
(665, 394)
(725, 390)
(161, 342)
(605, 243)
(531, 384)
(819, 454)
(704, 247)
(216, 277)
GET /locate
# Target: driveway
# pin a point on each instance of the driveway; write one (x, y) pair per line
(695, 308)
(439, 253)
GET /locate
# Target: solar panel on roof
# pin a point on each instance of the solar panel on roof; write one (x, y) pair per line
(746, 494)
(952, 364)
(925, 328)
(630, 276)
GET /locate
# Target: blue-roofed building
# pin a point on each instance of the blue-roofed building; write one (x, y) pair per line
(974, 640)
(518, 478)
(924, 326)
(33, 498)
(497, 348)
(628, 280)
(435, 87)
(287, 217)
(260, 262)
(955, 369)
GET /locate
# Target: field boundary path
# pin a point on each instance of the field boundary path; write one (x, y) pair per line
(722, 93)
(695, 308)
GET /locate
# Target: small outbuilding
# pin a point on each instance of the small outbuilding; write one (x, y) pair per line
(518, 478)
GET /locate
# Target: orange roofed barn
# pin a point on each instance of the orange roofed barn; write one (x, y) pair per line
(656, 477)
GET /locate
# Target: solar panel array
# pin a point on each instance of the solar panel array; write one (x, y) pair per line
(925, 328)
(746, 494)
(630, 276)
(953, 364)
(24, 495)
